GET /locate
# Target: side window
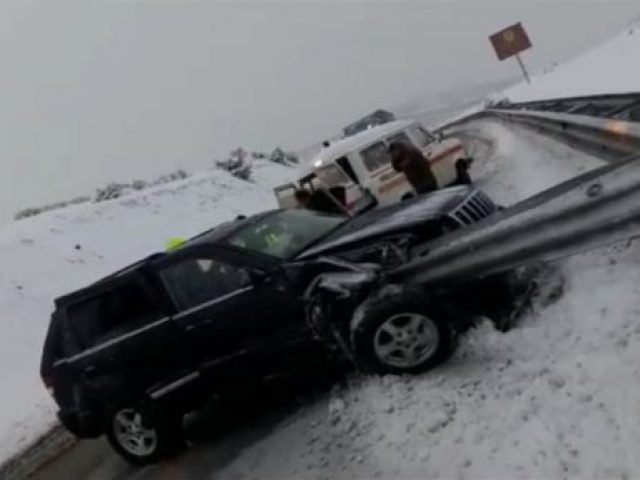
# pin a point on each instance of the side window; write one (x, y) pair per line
(348, 169)
(375, 156)
(421, 135)
(399, 138)
(108, 315)
(194, 281)
(331, 176)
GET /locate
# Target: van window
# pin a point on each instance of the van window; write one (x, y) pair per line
(348, 169)
(421, 136)
(399, 138)
(108, 315)
(375, 156)
(332, 176)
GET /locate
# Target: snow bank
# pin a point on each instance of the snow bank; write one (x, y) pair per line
(610, 68)
(45, 256)
(556, 397)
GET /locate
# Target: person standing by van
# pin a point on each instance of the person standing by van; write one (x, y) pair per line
(410, 161)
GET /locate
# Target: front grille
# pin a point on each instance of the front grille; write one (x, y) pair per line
(473, 209)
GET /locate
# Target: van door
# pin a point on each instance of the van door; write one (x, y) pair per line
(442, 154)
(387, 185)
(286, 195)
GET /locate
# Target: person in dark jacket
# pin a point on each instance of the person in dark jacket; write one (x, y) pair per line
(410, 161)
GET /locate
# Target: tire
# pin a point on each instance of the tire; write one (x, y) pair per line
(154, 437)
(424, 335)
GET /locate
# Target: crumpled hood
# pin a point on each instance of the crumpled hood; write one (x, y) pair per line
(392, 219)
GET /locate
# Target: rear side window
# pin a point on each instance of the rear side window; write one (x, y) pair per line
(375, 156)
(111, 314)
(195, 281)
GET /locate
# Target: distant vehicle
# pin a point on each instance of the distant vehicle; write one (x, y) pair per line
(379, 117)
(245, 302)
(360, 166)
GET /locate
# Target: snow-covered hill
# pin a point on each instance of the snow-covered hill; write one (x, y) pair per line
(58, 251)
(610, 68)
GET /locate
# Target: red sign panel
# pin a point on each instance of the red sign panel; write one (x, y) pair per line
(510, 41)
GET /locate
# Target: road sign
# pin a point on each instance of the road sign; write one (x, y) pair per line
(509, 42)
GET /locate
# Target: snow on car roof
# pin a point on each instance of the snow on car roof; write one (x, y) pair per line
(341, 147)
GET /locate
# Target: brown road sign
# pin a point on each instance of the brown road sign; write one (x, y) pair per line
(510, 41)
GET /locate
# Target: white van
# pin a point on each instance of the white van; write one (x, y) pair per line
(361, 163)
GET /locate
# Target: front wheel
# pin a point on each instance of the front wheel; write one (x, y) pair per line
(401, 333)
(141, 437)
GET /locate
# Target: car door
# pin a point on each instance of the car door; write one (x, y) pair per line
(121, 335)
(216, 308)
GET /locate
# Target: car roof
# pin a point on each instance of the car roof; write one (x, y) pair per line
(209, 237)
(346, 145)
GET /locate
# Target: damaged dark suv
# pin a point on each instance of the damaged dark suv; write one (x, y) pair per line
(131, 353)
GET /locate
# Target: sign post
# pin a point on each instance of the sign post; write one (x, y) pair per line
(509, 42)
(523, 68)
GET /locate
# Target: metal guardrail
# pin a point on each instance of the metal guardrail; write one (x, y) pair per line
(611, 139)
(616, 106)
(597, 208)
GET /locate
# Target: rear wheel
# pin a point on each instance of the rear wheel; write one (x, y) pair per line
(142, 437)
(401, 334)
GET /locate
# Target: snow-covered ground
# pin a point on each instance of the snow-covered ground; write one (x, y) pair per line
(55, 252)
(556, 397)
(610, 68)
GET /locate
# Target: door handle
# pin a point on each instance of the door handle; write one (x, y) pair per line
(195, 326)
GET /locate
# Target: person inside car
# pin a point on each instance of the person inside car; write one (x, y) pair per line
(410, 161)
(303, 198)
(319, 201)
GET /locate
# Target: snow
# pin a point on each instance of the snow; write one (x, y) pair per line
(56, 252)
(610, 68)
(556, 397)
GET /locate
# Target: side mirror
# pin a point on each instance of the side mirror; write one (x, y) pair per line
(440, 137)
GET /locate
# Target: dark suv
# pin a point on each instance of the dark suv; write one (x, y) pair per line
(128, 355)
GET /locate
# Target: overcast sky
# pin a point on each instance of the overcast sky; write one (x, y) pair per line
(94, 91)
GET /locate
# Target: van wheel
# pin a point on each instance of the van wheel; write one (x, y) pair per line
(141, 437)
(401, 333)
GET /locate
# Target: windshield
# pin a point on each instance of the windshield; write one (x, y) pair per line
(286, 232)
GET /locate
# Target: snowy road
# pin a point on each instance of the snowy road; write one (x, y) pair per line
(556, 397)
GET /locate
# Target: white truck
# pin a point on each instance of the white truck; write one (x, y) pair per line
(357, 166)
